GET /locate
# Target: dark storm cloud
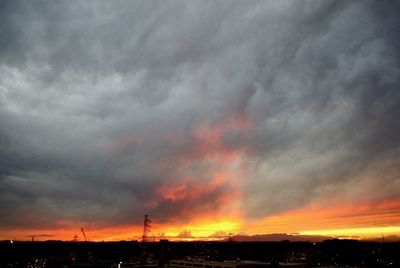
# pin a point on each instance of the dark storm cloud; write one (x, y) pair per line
(104, 103)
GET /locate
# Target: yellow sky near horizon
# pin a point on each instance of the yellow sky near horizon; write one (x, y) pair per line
(361, 221)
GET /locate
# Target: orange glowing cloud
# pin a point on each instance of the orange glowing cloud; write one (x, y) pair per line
(367, 219)
(219, 194)
(210, 138)
(189, 189)
(219, 183)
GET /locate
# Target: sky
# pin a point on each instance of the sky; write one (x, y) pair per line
(213, 117)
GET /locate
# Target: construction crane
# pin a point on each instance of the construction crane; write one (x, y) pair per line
(83, 232)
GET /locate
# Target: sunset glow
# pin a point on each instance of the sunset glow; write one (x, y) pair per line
(357, 233)
(361, 221)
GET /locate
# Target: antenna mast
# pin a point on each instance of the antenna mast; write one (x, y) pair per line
(146, 229)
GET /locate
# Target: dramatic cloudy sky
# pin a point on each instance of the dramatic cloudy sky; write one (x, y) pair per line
(211, 116)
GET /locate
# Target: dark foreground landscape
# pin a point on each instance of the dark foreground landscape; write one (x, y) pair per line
(330, 253)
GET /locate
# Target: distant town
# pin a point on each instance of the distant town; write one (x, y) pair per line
(228, 254)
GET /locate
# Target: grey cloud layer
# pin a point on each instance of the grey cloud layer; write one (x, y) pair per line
(91, 94)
